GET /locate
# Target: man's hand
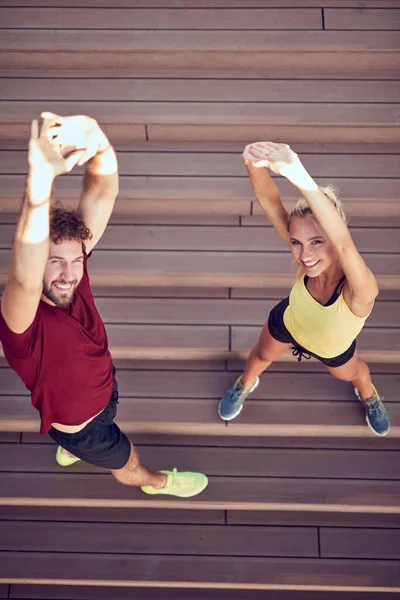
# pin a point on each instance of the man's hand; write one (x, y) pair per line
(77, 132)
(275, 157)
(46, 160)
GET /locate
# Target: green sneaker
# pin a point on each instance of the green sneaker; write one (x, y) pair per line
(64, 460)
(184, 485)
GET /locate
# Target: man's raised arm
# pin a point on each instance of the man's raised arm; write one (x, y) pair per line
(100, 181)
(30, 248)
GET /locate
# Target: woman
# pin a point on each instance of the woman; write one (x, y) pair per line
(333, 294)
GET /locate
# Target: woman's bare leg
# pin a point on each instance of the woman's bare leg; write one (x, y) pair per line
(265, 352)
(355, 370)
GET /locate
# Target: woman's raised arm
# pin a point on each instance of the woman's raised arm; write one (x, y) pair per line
(265, 190)
(362, 284)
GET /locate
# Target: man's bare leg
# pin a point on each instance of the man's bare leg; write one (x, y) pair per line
(133, 473)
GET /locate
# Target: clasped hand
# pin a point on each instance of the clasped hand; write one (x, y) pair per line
(61, 143)
(274, 157)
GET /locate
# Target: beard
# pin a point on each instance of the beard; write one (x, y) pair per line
(60, 298)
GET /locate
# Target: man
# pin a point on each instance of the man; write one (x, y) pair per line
(51, 332)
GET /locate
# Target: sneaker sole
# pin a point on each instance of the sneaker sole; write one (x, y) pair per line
(366, 417)
(253, 387)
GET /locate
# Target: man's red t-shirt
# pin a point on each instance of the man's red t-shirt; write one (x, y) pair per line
(63, 359)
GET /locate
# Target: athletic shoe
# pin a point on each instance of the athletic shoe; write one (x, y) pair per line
(375, 413)
(63, 459)
(182, 484)
(232, 401)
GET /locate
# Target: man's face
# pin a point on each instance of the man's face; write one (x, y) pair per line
(63, 273)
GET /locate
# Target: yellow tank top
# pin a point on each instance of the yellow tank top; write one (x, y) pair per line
(324, 330)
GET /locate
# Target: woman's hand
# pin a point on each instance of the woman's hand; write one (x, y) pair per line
(275, 157)
(77, 132)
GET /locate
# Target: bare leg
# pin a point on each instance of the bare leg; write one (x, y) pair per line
(355, 370)
(64, 451)
(133, 473)
(261, 356)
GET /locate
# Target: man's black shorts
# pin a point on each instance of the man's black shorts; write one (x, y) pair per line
(100, 442)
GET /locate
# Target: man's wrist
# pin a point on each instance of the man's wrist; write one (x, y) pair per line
(39, 186)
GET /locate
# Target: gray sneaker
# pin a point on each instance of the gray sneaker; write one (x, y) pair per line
(232, 401)
(375, 413)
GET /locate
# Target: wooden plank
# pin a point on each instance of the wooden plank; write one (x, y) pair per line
(204, 90)
(329, 443)
(192, 384)
(299, 419)
(261, 518)
(131, 18)
(206, 269)
(355, 19)
(224, 165)
(76, 592)
(289, 133)
(289, 59)
(182, 74)
(219, 121)
(10, 437)
(204, 3)
(229, 493)
(365, 42)
(161, 351)
(376, 338)
(116, 515)
(360, 543)
(220, 147)
(204, 540)
(218, 311)
(205, 196)
(216, 238)
(221, 461)
(246, 573)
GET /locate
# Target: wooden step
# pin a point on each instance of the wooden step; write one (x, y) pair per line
(200, 49)
(54, 86)
(186, 4)
(208, 178)
(130, 73)
(85, 592)
(201, 572)
(228, 493)
(239, 461)
(236, 121)
(137, 19)
(123, 268)
(185, 403)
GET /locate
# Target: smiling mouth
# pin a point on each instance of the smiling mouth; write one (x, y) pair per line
(63, 287)
(310, 265)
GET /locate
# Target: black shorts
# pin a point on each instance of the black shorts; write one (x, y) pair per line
(278, 331)
(100, 442)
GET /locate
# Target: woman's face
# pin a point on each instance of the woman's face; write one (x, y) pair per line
(310, 246)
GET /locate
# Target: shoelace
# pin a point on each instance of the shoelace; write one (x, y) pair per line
(300, 353)
(183, 479)
(236, 394)
(376, 407)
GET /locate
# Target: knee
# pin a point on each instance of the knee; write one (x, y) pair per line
(262, 355)
(347, 375)
(130, 467)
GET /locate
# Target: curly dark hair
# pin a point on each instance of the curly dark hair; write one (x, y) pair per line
(66, 224)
